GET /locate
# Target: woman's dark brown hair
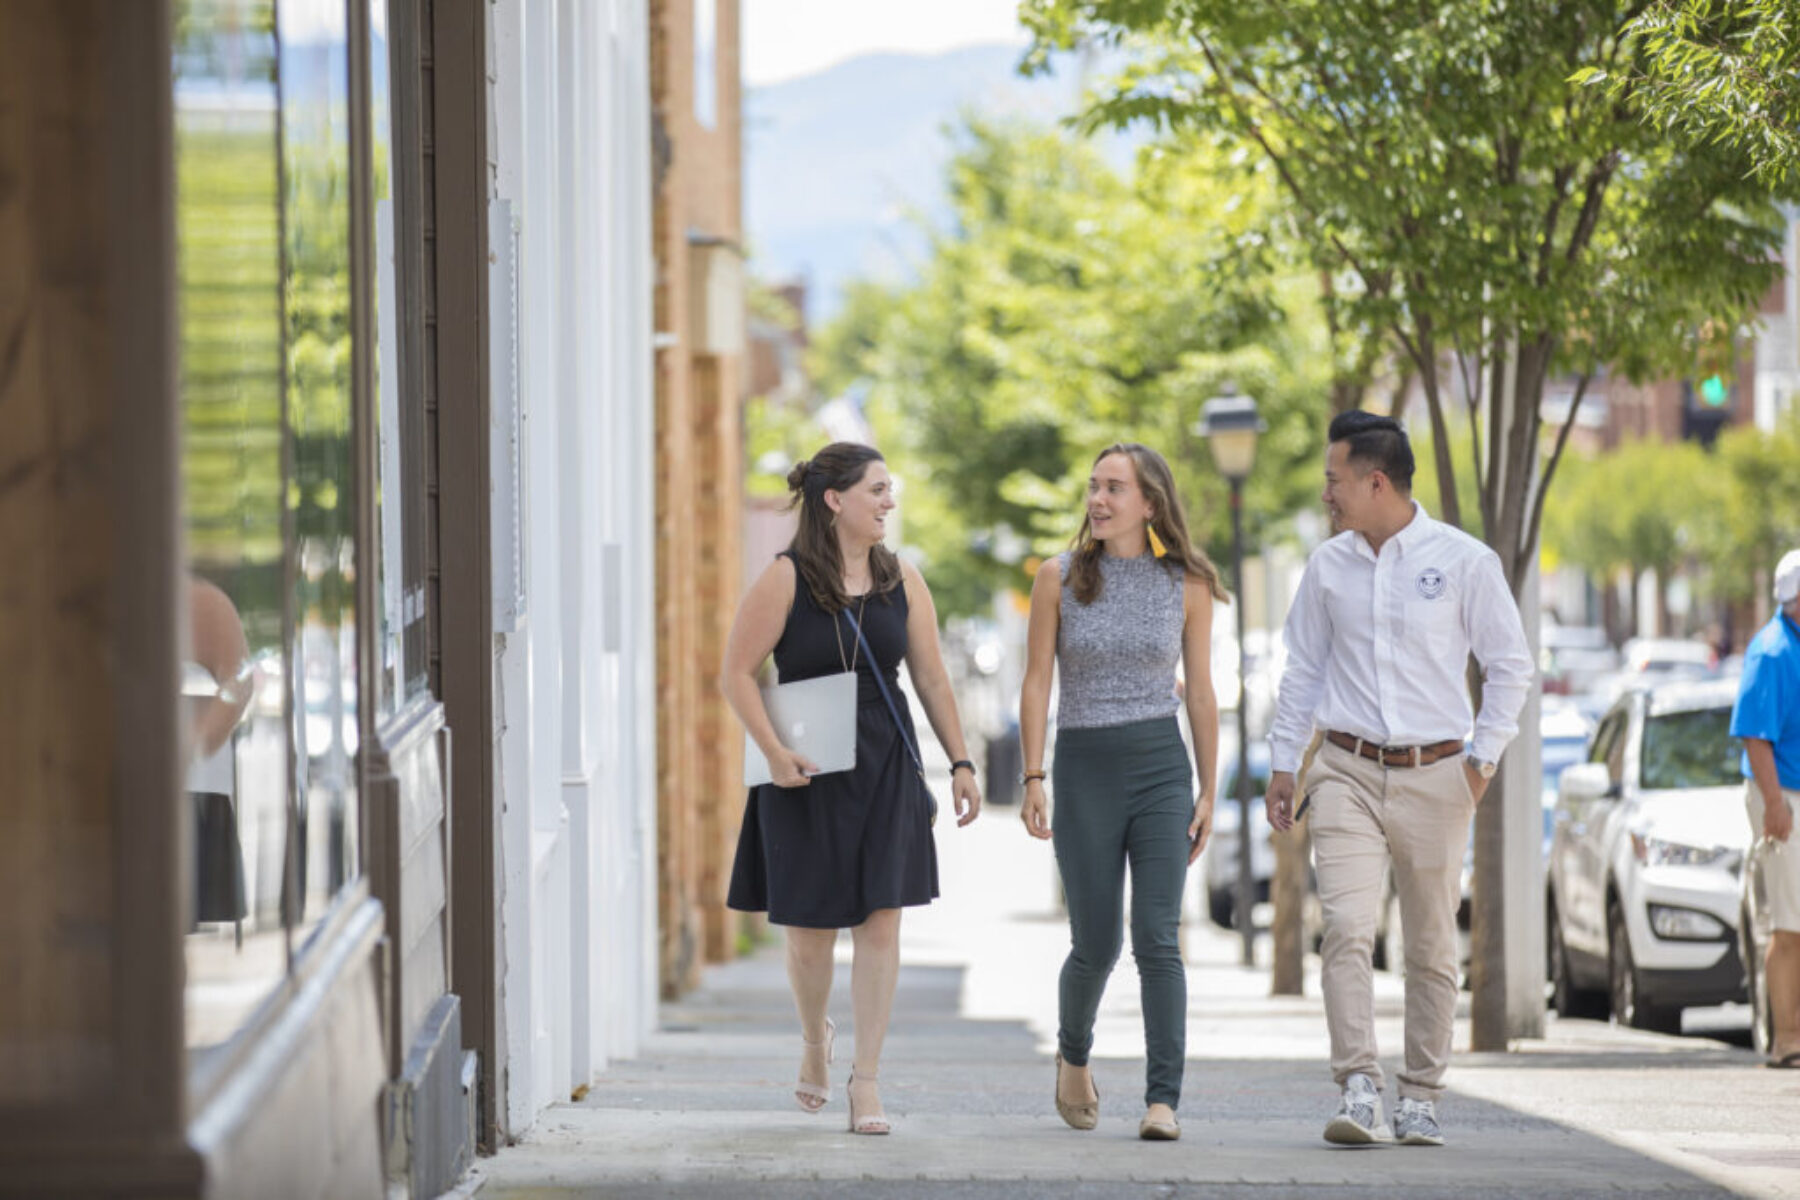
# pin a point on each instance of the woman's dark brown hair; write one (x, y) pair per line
(1168, 519)
(837, 468)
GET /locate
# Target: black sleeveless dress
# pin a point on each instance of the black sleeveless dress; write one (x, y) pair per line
(826, 855)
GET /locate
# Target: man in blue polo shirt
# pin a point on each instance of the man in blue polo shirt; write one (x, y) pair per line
(1767, 717)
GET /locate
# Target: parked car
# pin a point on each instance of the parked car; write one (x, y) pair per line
(1670, 658)
(1219, 864)
(1649, 840)
(1754, 930)
(1573, 658)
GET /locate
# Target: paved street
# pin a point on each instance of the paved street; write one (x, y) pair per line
(708, 1112)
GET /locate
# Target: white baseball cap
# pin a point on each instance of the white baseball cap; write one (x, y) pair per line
(1787, 577)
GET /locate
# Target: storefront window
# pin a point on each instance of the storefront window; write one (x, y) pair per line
(263, 119)
(321, 494)
(227, 146)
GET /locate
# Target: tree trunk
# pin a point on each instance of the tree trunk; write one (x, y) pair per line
(1293, 850)
(1508, 492)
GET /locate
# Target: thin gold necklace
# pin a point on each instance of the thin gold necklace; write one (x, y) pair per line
(837, 628)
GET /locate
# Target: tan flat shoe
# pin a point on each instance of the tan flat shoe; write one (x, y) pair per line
(1159, 1131)
(1085, 1115)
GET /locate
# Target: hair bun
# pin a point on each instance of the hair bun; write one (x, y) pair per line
(796, 479)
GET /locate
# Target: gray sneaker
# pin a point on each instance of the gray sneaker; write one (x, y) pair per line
(1359, 1120)
(1416, 1124)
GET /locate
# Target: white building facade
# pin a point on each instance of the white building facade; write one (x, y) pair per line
(574, 645)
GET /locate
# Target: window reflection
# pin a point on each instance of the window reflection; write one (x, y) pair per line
(263, 163)
(229, 246)
(315, 125)
(400, 564)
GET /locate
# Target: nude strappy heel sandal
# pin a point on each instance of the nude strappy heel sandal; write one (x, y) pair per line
(812, 1097)
(877, 1124)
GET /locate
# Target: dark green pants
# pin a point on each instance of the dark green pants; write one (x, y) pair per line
(1124, 796)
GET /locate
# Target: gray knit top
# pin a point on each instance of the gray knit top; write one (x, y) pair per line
(1117, 656)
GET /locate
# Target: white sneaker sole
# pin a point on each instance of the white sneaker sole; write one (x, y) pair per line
(1421, 1139)
(1342, 1131)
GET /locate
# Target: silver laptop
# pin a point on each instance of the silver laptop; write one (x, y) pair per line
(816, 717)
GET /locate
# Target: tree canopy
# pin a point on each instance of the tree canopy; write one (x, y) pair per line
(1721, 71)
(1062, 309)
(1466, 199)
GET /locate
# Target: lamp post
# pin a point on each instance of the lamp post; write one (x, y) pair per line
(1230, 425)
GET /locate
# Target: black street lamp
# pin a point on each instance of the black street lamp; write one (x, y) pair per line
(1230, 426)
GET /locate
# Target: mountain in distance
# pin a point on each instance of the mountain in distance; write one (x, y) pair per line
(838, 164)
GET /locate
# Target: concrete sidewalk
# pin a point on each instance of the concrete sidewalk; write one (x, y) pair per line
(967, 1076)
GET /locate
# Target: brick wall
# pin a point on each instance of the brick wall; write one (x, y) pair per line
(698, 500)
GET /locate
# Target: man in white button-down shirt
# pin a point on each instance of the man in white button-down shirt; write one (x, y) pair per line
(1378, 641)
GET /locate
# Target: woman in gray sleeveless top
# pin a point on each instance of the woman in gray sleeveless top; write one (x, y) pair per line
(1115, 615)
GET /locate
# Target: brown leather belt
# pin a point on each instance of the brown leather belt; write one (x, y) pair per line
(1394, 756)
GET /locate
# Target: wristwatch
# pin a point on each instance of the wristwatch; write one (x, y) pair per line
(959, 764)
(1027, 776)
(1486, 768)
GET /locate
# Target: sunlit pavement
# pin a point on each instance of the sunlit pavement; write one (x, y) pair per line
(967, 1077)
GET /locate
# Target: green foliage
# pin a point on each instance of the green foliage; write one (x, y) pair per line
(1641, 507)
(1459, 190)
(1064, 309)
(1720, 71)
(230, 327)
(1723, 515)
(1752, 514)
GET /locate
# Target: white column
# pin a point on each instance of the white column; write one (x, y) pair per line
(634, 482)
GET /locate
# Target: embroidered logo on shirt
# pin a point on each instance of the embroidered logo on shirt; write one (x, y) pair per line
(1430, 583)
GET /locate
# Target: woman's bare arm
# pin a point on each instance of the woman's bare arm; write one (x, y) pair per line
(1034, 693)
(761, 617)
(1202, 706)
(931, 679)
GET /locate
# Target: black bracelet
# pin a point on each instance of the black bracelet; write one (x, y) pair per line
(959, 764)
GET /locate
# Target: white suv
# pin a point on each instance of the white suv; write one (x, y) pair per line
(1645, 857)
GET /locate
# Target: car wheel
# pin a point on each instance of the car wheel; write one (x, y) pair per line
(1628, 1005)
(1565, 997)
(1219, 906)
(1756, 985)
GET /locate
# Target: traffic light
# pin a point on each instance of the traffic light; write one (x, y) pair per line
(1705, 409)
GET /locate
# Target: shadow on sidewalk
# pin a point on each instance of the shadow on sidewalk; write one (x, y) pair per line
(708, 1112)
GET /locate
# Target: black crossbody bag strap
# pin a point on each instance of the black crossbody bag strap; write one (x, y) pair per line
(887, 696)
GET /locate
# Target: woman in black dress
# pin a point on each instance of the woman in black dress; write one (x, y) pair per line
(846, 850)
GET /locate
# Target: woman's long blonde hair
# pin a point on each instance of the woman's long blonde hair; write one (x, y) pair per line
(1157, 483)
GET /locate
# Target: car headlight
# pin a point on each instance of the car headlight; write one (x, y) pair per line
(1655, 852)
(1686, 925)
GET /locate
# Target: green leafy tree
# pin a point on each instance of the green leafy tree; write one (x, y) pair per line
(1755, 517)
(1468, 198)
(1065, 308)
(1724, 71)
(1461, 193)
(1643, 507)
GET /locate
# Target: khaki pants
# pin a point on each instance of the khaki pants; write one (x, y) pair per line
(1363, 814)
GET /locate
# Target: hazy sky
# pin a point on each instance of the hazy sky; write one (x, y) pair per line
(786, 38)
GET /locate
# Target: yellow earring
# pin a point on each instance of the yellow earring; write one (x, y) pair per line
(1156, 545)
